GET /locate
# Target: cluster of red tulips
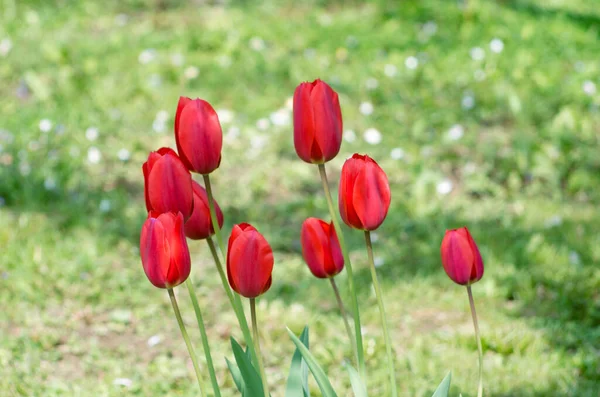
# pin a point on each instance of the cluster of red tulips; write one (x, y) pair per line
(179, 208)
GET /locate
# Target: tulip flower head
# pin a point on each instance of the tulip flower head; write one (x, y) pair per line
(364, 193)
(460, 257)
(167, 183)
(164, 250)
(317, 122)
(198, 135)
(249, 261)
(321, 248)
(200, 226)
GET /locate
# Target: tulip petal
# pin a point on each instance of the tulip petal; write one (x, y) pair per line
(371, 195)
(457, 257)
(200, 226)
(250, 263)
(350, 170)
(304, 124)
(327, 120)
(154, 253)
(313, 239)
(169, 186)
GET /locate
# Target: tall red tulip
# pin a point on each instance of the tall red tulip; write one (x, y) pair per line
(249, 261)
(167, 183)
(321, 248)
(198, 135)
(164, 250)
(317, 122)
(460, 257)
(364, 194)
(200, 226)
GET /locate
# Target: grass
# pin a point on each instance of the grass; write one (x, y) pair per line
(507, 144)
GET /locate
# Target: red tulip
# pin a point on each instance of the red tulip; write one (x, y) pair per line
(317, 122)
(164, 250)
(364, 195)
(198, 135)
(249, 261)
(321, 248)
(460, 257)
(167, 183)
(200, 226)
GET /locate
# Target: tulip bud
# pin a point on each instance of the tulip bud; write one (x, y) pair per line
(460, 257)
(200, 226)
(198, 135)
(167, 183)
(364, 193)
(249, 261)
(317, 122)
(321, 248)
(164, 250)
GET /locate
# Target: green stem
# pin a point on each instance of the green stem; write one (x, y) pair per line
(386, 334)
(360, 358)
(261, 365)
(343, 312)
(186, 338)
(236, 304)
(478, 336)
(205, 345)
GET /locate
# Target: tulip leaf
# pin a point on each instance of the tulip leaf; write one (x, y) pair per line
(237, 375)
(444, 387)
(358, 386)
(252, 384)
(317, 371)
(297, 384)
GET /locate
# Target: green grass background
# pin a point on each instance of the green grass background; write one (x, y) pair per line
(76, 311)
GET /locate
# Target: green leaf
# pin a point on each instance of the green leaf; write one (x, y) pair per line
(444, 387)
(297, 384)
(358, 387)
(237, 376)
(316, 370)
(251, 378)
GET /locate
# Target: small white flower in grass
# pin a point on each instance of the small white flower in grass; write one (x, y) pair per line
(258, 142)
(91, 133)
(5, 47)
(366, 108)
(374, 237)
(225, 115)
(105, 205)
(154, 340)
(159, 126)
(477, 53)
(49, 183)
(372, 83)
(444, 187)
(411, 62)
(496, 45)
(430, 28)
(378, 261)
(24, 168)
(456, 132)
(479, 75)
(94, 155)
(372, 136)
(162, 115)
(257, 43)
(125, 382)
(177, 59)
(468, 102)
(123, 154)
(191, 72)
(397, 153)
(121, 19)
(155, 80)
(589, 87)
(281, 117)
(349, 136)
(45, 125)
(147, 56)
(390, 70)
(263, 124)
(232, 134)
(289, 103)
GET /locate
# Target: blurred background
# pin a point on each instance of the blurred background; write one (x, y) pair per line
(486, 115)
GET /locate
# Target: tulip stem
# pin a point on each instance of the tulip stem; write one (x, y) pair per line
(237, 309)
(478, 336)
(186, 338)
(386, 334)
(360, 358)
(205, 345)
(261, 365)
(343, 312)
